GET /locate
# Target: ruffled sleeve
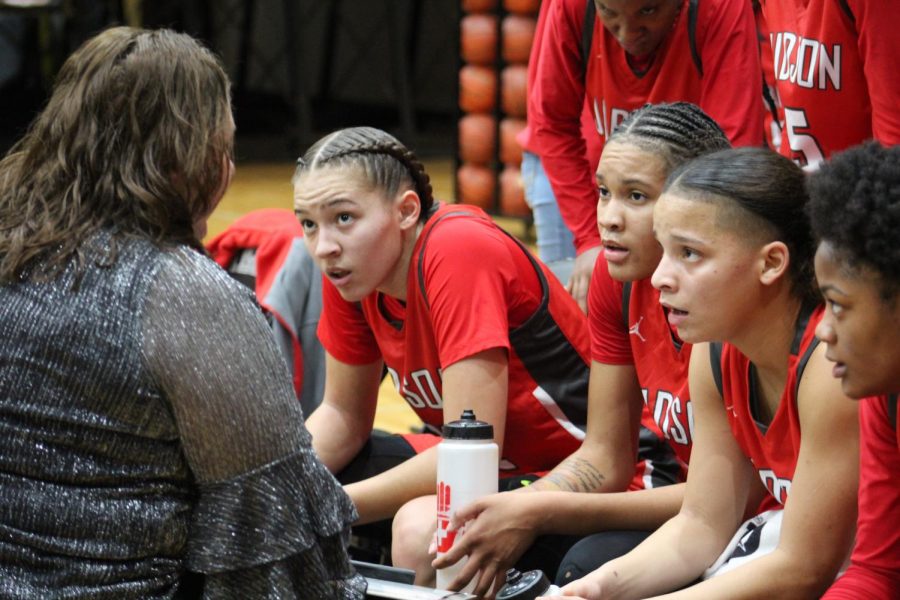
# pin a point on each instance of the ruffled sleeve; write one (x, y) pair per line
(270, 521)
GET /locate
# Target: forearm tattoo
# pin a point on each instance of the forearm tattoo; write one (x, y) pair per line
(574, 475)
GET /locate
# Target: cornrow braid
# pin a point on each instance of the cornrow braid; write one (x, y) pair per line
(677, 131)
(388, 164)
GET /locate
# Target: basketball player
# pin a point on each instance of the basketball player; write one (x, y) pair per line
(459, 312)
(737, 266)
(837, 72)
(854, 202)
(635, 360)
(634, 52)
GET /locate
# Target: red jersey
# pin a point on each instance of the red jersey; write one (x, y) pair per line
(772, 448)
(659, 357)
(472, 287)
(729, 90)
(875, 563)
(837, 68)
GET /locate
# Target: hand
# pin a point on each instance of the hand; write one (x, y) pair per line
(589, 587)
(498, 530)
(580, 279)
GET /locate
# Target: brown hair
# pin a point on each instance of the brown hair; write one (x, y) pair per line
(132, 139)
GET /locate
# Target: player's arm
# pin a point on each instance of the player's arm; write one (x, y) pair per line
(879, 47)
(342, 423)
(719, 484)
(819, 517)
(557, 126)
(732, 74)
(478, 382)
(605, 460)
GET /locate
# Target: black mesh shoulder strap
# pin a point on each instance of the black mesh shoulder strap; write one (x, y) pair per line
(587, 35)
(715, 361)
(693, 6)
(626, 303)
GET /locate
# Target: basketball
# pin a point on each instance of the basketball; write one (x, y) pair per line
(477, 138)
(522, 7)
(512, 194)
(518, 33)
(478, 39)
(477, 89)
(513, 98)
(475, 184)
(477, 6)
(510, 150)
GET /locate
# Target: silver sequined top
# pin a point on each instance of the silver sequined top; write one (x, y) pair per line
(148, 428)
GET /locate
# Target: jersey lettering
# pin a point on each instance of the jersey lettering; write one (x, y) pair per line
(805, 62)
(778, 487)
(425, 395)
(607, 123)
(807, 151)
(668, 407)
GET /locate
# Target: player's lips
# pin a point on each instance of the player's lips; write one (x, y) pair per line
(676, 316)
(839, 369)
(614, 252)
(337, 276)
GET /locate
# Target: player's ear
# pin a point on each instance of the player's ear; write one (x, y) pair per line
(775, 259)
(408, 209)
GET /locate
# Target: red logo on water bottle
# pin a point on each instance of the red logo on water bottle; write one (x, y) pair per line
(445, 535)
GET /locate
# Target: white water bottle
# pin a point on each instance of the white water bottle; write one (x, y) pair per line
(467, 465)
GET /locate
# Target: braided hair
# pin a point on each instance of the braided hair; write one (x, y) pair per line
(676, 132)
(386, 163)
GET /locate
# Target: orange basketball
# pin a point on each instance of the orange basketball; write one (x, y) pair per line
(512, 93)
(522, 7)
(477, 138)
(475, 184)
(512, 194)
(476, 6)
(478, 39)
(510, 150)
(518, 33)
(477, 89)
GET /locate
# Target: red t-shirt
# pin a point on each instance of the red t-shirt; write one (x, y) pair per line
(659, 357)
(875, 563)
(838, 76)
(772, 448)
(472, 287)
(730, 91)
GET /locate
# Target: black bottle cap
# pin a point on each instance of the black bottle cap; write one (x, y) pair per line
(468, 428)
(523, 586)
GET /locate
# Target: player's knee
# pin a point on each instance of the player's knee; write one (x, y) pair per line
(412, 532)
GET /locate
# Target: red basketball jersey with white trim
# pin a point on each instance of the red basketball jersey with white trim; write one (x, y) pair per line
(660, 358)
(838, 76)
(773, 449)
(472, 287)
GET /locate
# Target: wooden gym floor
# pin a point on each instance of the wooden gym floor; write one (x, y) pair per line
(268, 185)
